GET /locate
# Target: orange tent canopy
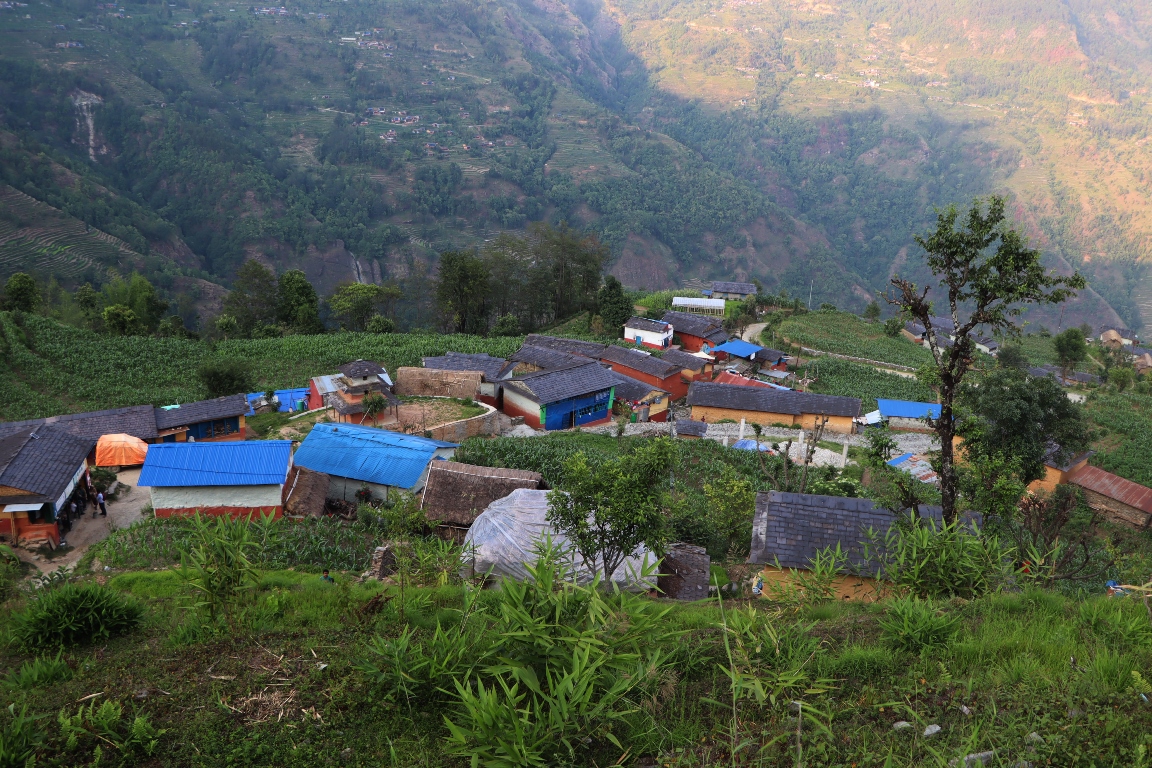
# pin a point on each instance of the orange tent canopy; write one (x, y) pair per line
(120, 451)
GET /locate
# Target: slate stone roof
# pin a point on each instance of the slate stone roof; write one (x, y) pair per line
(634, 390)
(137, 420)
(571, 346)
(638, 361)
(792, 527)
(689, 428)
(1124, 332)
(721, 286)
(684, 360)
(545, 358)
(41, 460)
(553, 386)
(1054, 370)
(740, 398)
(362, 369)
(694, 325)
(201, 410)
(646, 324)
(457, 493)
(458, 361)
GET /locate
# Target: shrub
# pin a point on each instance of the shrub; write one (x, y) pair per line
(912, 625)
(225, 377)
(101, 726)
(76, 613)
(19, 738)
(862, 663)
(40, 672)
(102, 479)
(935, 561)
(381, 324)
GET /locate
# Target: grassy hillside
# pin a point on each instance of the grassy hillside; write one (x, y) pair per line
(699, 146)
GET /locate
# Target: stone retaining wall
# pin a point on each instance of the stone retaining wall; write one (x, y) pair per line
(429, 382)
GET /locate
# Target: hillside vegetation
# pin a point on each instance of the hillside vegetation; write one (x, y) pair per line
(699, 143)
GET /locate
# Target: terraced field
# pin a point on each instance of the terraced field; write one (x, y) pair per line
(36, 237)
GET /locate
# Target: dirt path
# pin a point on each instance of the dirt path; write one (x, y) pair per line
(752, 333)
(87, 531)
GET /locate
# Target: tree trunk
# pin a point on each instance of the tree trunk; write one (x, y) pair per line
(946, 431)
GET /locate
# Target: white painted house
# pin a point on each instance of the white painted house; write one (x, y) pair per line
(654, 334)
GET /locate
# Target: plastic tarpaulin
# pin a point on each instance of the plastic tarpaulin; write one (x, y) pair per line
(120, 451)
(505, 536)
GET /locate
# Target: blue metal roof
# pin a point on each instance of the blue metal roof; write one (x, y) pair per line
(739, 348)
(367, 454)
(906, 409)
(288, 398)
(259, 462)
(750, 445)
(899, 460)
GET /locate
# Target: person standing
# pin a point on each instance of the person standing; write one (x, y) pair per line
(100, 503)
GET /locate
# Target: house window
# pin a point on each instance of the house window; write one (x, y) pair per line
(588, 410)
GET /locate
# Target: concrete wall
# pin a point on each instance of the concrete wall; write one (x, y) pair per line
(847, 587)
(428, 382)
(841, 424)
(516, 404)
(1052, 478)
(195, 496)
(649, 339)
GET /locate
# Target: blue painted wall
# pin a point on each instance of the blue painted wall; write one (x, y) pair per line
(578, 410)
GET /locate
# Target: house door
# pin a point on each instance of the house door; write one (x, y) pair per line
(569, 420)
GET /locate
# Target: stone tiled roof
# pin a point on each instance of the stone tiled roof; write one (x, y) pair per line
(553, 386)
(762, 400)
(571, 346)
(694, 325)
(684, 360)
(646, 324)
(136, 420)
(793, 527)
(639, 361)
(721, 286)
(633, 390)
(201, 410)
(689, 428)
(42, 460)
(362, 369)
(545, 358)
(458, 361)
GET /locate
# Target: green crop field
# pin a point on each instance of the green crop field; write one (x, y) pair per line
(843, 377)
(843, 333)
(60, 369)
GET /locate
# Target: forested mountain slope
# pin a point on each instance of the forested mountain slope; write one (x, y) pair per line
(701, 140)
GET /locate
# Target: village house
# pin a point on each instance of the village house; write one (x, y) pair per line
(237, 479)
(736, 379)
(456, 493)
(696, 333)
(1118, 500)
(697, 306)
(904, 415)
(646, 368)
(692, 367)
(319, 388)
(712, 402)
(39, 468)
(732, 291)
(789, 529)
(654, 334)
(580, 395)
(1113, 335)
(1057, 472)
(530, 359)
(221, 418)
(589, 349)
(137, 420)
(640, 400)
(380, 461)
(490, 368)
(357, 379)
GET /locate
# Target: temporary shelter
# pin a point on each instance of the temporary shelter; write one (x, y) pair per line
(120, 450)
(355, 457)
(239, 479)
(456, 493)
(507, 534)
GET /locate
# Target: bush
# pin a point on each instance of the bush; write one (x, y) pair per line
(39, 672)
(860, 663)
(102, 479)
(935, 561)
(912, 625)
(226, 377)
(76, 613)
(380, 324)
(19, 738)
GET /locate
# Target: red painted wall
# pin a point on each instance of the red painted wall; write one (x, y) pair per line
(674, 384)
(690, 343)
(235, 513)
(314, 399)
(531, 419)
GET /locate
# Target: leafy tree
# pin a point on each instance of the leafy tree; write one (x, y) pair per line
(253, 300)
(1121, 378)
(119, 320)
(731, 506)
(610, 508)
(374, 405)
(1012, 356)
(615, 306)
(462, 291)
(1070, 349)
(226, 326)
(380, 324)
(139, 295)
(506, 325)
(892, 327)
(356, 303)
(90, 303)
(1024, 417)
(297, 305)
(226, 377)
(21, 292)
(984, 266)
(872, 311)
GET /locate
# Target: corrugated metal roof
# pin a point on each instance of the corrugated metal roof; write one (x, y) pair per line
(723, 286)
(288, 399)
(739, 348)
(367, 454)
(259, 462)
(1114, 487)
(326, 384)
(907, 409)
(688, 301)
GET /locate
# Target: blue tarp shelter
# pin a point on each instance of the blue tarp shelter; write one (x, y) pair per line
(369, 455)
(750, 445)
(906, 409)
(290, 399)
(739, 348)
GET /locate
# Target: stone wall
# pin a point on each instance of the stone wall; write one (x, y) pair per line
(1117, 511)
(457, 431)
(429, 382)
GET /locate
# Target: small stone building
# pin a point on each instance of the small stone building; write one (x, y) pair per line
(1118, 500)
(456, 493)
